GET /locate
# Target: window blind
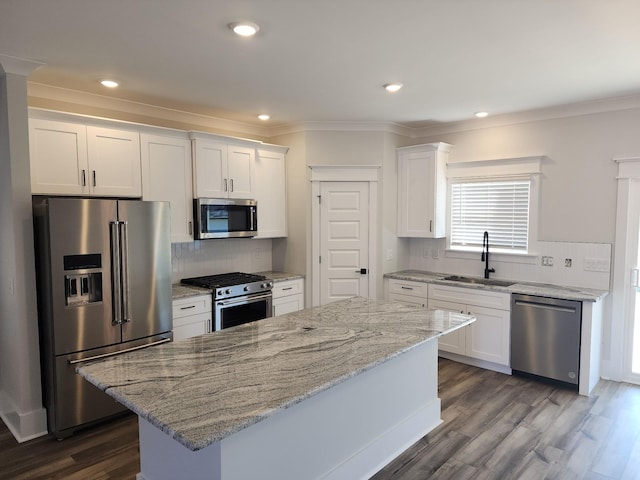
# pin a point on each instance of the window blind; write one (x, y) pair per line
(500, 207)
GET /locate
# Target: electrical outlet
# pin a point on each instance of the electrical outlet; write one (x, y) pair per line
(567, 262)
(389, 253)
(425, 252)
(547, 261)
(435, 253)
(596, 265)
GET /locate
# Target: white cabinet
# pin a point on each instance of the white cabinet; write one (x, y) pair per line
(489, 336)
(222, 169)
(75, 159)
(270, 193)
(288, 296)
(422, 190)
(405, 291)
(166, 176)
(191, 316)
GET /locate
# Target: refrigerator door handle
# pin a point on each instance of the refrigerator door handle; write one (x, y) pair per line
(124, 258)
(116, 277)
(111, 354)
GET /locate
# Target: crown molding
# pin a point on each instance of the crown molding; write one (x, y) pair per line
(603, 105)
(17, 65)
(48, 92)
(380, 127)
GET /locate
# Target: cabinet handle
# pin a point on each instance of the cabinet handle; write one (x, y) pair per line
(94, 178)
(287, 288)
(406, 288)
(190, 228)
(231, 184)
(187, 308)
(84, 177)
(225, 185)
(430, 225)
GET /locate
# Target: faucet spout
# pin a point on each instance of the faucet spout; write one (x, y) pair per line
(485, 255)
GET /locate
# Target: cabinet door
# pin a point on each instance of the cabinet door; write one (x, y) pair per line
(210, 169)
(454, 342)
(114, 162)
(416, 185)
(289, 304)
(192, 326)
(270, 192)
(488, 337)
(240, 166)
(58, 158)
(166, 176)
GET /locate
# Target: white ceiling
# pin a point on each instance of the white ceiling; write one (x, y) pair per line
(326, 60)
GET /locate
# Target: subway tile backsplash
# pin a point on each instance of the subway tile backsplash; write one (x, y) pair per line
(208, 257)
(572, 264)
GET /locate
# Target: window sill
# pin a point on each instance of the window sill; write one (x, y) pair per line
(524, 258)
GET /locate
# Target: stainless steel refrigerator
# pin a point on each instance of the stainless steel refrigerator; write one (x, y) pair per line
(103, 287)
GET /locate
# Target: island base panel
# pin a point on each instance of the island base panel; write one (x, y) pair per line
(349, 431)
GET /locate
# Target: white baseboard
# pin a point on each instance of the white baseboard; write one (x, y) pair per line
(23, 426)
(474, 362)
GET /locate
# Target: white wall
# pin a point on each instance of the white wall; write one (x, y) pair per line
(20, 391)
(578, 189)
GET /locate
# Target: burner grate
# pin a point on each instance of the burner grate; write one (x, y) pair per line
(223, 280)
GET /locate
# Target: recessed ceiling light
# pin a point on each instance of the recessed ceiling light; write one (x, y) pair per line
(109, 83)
(264, 116)
(244, 29)
(481, 114)
(392, 87)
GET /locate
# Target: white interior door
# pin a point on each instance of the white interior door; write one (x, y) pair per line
(344, 240)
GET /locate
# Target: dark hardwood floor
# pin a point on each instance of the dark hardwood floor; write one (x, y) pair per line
(495, 427)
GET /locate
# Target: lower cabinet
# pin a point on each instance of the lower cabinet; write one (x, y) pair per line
(191, 316)
(489, 336)
(288, 296)
(405, 291)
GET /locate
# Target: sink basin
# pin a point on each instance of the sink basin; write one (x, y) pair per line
(481, 281)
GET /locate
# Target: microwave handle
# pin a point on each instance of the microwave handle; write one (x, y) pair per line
(252, 218)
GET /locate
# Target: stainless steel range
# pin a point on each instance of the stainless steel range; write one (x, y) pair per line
(237, 297)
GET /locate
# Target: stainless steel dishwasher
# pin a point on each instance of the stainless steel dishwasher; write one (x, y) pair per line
(545, 337)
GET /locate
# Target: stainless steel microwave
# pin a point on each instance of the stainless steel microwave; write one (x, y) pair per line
(225, 218)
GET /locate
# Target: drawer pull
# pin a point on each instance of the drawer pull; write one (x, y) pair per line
(287, 288)
(406, 288)
(187, 308)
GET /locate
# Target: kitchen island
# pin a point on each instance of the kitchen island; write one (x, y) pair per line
(328, 392)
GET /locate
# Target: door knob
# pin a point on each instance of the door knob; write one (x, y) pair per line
(362, 271)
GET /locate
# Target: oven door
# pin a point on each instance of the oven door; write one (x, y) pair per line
(236, 311)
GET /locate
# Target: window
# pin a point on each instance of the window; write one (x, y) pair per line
(499, 206)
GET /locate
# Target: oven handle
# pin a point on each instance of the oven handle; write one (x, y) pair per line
(249, 299)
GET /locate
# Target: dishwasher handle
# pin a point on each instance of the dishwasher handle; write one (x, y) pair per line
(545, 306)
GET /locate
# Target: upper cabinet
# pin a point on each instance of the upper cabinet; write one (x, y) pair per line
(222, 168)
(422, 190)
(166, 176)
(270, 182)
(76, 159)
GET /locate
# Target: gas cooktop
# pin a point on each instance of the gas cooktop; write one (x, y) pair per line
(223, 280)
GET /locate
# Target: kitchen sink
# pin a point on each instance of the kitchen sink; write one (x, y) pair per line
(481, 281)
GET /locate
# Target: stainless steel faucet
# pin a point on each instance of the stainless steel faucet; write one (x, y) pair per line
(485, 255)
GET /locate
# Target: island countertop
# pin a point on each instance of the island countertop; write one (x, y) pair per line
(203, 389)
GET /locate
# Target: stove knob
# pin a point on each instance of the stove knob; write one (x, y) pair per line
(228, 291)
(220, 292)
(264, 285)
(246, 289)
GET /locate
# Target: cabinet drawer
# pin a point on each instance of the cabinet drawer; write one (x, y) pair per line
(406, 287)
(470, 296)
(408, 299)
(290, 287)
(184, 307)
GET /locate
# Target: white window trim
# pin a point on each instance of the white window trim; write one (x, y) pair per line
(499, 169)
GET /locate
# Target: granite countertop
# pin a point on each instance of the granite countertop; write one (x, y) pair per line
(539, 289)
(280, 276)
(203, 389)
(179, 290)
